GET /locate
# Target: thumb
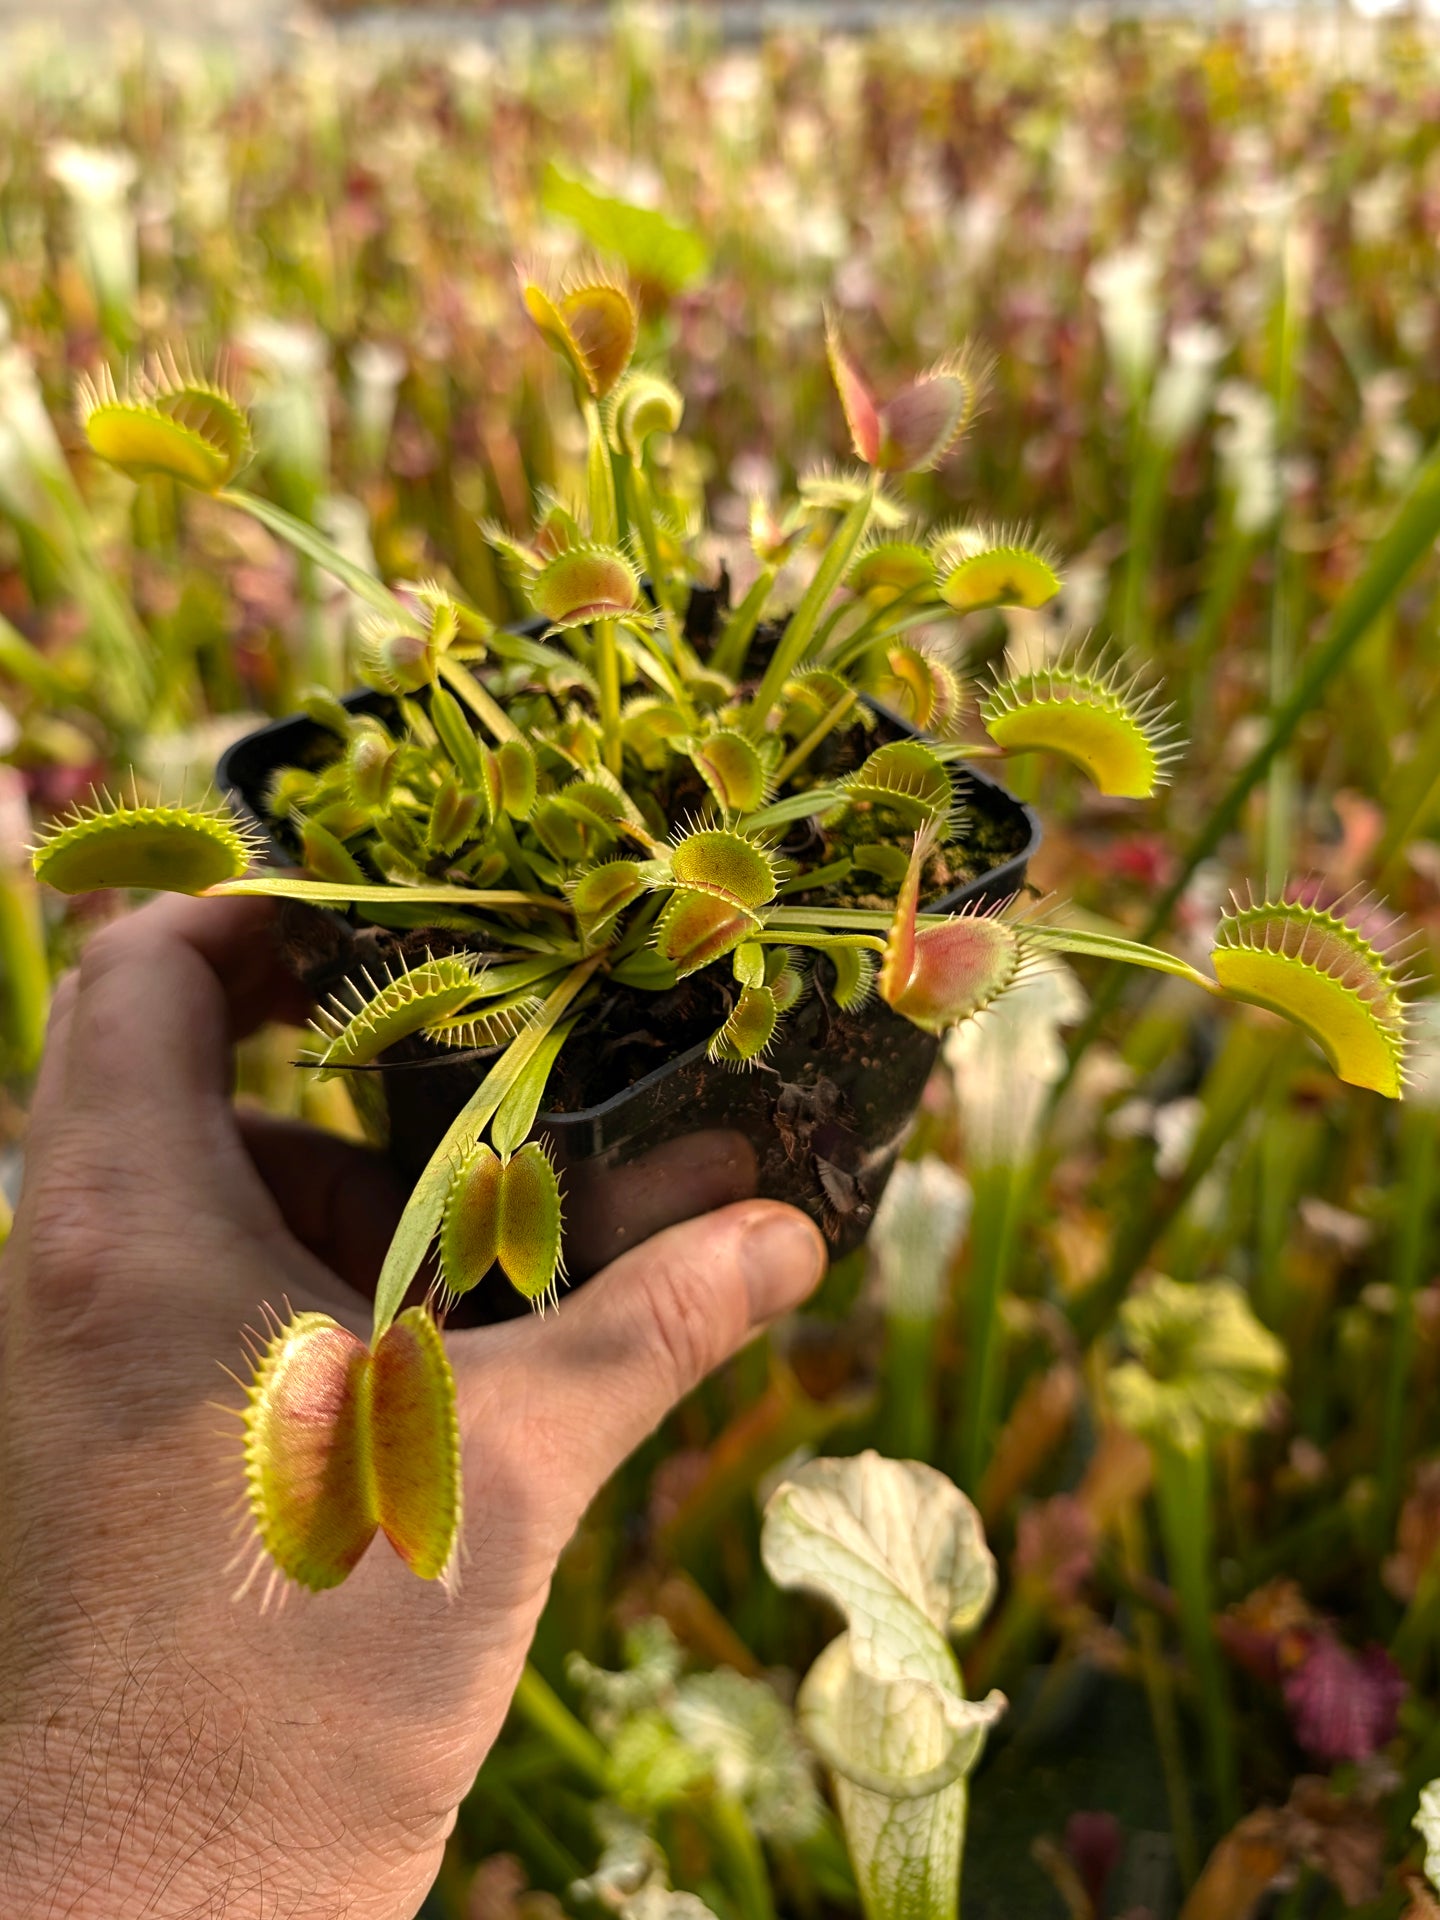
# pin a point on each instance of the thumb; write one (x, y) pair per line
(586, 1390)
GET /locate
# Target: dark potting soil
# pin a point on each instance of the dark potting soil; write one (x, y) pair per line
(626, 1033)
(985, 844)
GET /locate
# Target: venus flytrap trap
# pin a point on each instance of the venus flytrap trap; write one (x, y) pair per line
(543, 831)
(1105, 721)
(171, 421)
(113, 843)
(1317, 968)
(343, 1441)
(505, 1212)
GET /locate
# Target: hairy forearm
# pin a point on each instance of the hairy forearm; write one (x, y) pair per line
(137, 1805)
(153, 1801)
(155, 1764)
(165, 1756)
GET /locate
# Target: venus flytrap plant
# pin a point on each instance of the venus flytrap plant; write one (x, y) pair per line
(900, 1552)
(890, 176)
(592, 807)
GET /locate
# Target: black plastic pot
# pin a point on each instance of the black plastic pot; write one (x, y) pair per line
(825, 1114)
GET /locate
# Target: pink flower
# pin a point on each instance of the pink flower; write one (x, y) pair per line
(1145, 859)
(1343, 1705)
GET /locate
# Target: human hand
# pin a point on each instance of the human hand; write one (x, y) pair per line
(165, 1750)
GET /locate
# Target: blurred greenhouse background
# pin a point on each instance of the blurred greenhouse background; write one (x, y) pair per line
(1203, 255)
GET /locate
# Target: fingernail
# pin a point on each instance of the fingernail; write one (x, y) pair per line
(782, 1257)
